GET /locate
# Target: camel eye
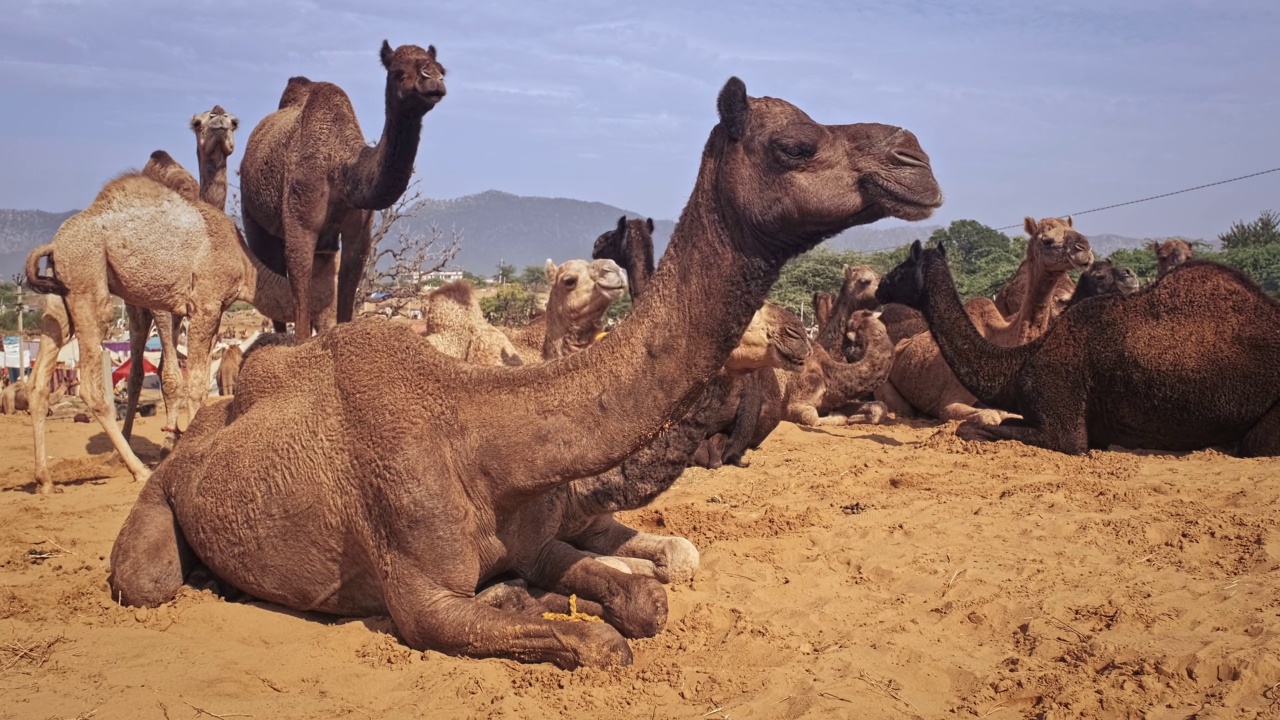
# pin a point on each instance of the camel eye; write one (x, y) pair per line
(570, 283)
(796, 150)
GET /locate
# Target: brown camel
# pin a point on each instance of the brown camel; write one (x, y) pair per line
(921, 381)
(457, 328)
(148, 239)
(631, 246)
(902, 322)
(1010, 298)
(581, 293)
(858, 292)
(1104, 278)
(308, 178)
(229, 370)
(13, 398)
(1190, 362)
(398, 492)
(823, 304)
(1170, 254)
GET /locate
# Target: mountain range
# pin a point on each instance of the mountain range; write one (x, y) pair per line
(500, 227)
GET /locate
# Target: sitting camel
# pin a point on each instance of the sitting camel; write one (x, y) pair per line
(1010, 298)
(631, 246)
(399, 492)
(13, 398)
(581, 293)
(920, 380)
(1191, 362)
(1104, 278)
(1170, 254)
(858, 292)
(457, 328)
(229, 370)
(148, 239)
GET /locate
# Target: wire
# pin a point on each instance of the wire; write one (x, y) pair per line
(1157, 197)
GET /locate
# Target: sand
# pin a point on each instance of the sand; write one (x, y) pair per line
(890, 572)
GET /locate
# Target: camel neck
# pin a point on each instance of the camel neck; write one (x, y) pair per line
(844, 381)
(593, 409)
(830, 334)
(983, 368)
(640, 270)
(381, 173)
(213, 180)
(1037, 305)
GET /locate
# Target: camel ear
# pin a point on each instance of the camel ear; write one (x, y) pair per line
(876, 315)
(386, 54)
(551, 271)
(848, 272)
(1030, 226)
(649, 224)
(942, 249)
(622, 224)
(196, 123)
(1069, 224)
(431, 51)
(916, 251)
(732, 105)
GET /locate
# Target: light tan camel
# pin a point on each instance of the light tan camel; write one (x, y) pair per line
(581, 293)
(13, 398)
(457, 328)
(407, 485)
(857, 292)
(229, 369)
(823, 391)
(148, 239)
(308, 179)
(921, 381)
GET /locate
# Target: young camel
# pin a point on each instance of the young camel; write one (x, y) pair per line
(405, 490)
(308, 178)
(1170, 254)
(921, 381)
(148, 239)
(817, 395)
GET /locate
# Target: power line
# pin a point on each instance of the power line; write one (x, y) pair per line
(1165, 195)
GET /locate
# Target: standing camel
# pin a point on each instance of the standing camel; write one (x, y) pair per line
(308, 178)
(408, 484)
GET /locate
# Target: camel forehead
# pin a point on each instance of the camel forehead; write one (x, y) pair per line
(410, 54)
(777, 112)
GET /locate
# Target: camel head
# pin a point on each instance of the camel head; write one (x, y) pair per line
(774, 339)
(860, 284)
(415, 81)
(1100, 278)
(904, 284)
(1055, 245)
(798, 182)
(864, 324)
(824, 304)
(582, 291)
(1170, 254)
(620, 242)
(215, 134)
(1126, 281)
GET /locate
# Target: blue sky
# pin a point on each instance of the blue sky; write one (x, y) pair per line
(1025, 107)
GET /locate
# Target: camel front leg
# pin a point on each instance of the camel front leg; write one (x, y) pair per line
(893, 400)
(171, 380)
(802, 414)
(89, 324)
(357, 243)
(139, 328)
(201, 334)
(324, 301)
(429, 617)
(634, 604)
(672, 559)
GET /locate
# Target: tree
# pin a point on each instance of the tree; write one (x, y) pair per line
(506, 273)
(982, 258)
(401, 254)
(511, 305)
(1262, 232)
(533, 278)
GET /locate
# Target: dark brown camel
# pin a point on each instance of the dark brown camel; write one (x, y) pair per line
(631, 246)
(1190, 362)
(1104, 278)
(362, 472)
(1170, 254)
(308, 178)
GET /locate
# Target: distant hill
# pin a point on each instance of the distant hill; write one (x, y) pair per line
(21, 230)
(515, 229)
(522, 231)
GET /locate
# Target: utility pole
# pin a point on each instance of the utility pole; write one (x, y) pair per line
(20, 281)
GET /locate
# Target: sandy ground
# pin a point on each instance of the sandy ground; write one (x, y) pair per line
(892, 572)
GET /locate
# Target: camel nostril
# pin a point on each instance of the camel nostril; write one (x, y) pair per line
(908, 157)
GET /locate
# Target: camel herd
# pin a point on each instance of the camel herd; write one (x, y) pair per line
(463, 479)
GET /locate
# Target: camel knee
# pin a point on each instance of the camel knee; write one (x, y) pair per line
(150, 558)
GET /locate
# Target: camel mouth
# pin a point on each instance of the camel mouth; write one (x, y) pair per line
(911, 201)
(1129, 284)
(609, 287)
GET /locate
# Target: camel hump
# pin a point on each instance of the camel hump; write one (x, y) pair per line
(266, 340)
(458, 291)
(295, 92)
(45, 284)
(168, 172)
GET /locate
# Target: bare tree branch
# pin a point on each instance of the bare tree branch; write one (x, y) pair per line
(401, 256)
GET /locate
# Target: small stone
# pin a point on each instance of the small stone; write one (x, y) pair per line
(976, 618)
(142, 615)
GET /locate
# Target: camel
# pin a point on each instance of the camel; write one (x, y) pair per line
(1104, 278)
(631, 246)
(148, 239)
(1170, 254)
(215, 142)
(308, 178)
(902, 322)
(858, 292)
(13, 398)
(823, 304)
(920, 379)
(1190, 362)
(456, 327)
(1010, 298)
(581, 293)
(229, 370)
(399, 491)
(816, 395)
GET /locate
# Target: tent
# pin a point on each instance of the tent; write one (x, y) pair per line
(122, 372)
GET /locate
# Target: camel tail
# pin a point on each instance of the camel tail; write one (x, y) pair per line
(45, 284)
(150, 558)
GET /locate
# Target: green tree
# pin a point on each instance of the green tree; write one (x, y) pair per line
(982, 258)
(506, 273)
(1260, 262)
(474, 279)
(1264, 231)
(511, 305)
(533, 277)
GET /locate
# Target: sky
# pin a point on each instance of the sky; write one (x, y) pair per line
(1025, 107)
